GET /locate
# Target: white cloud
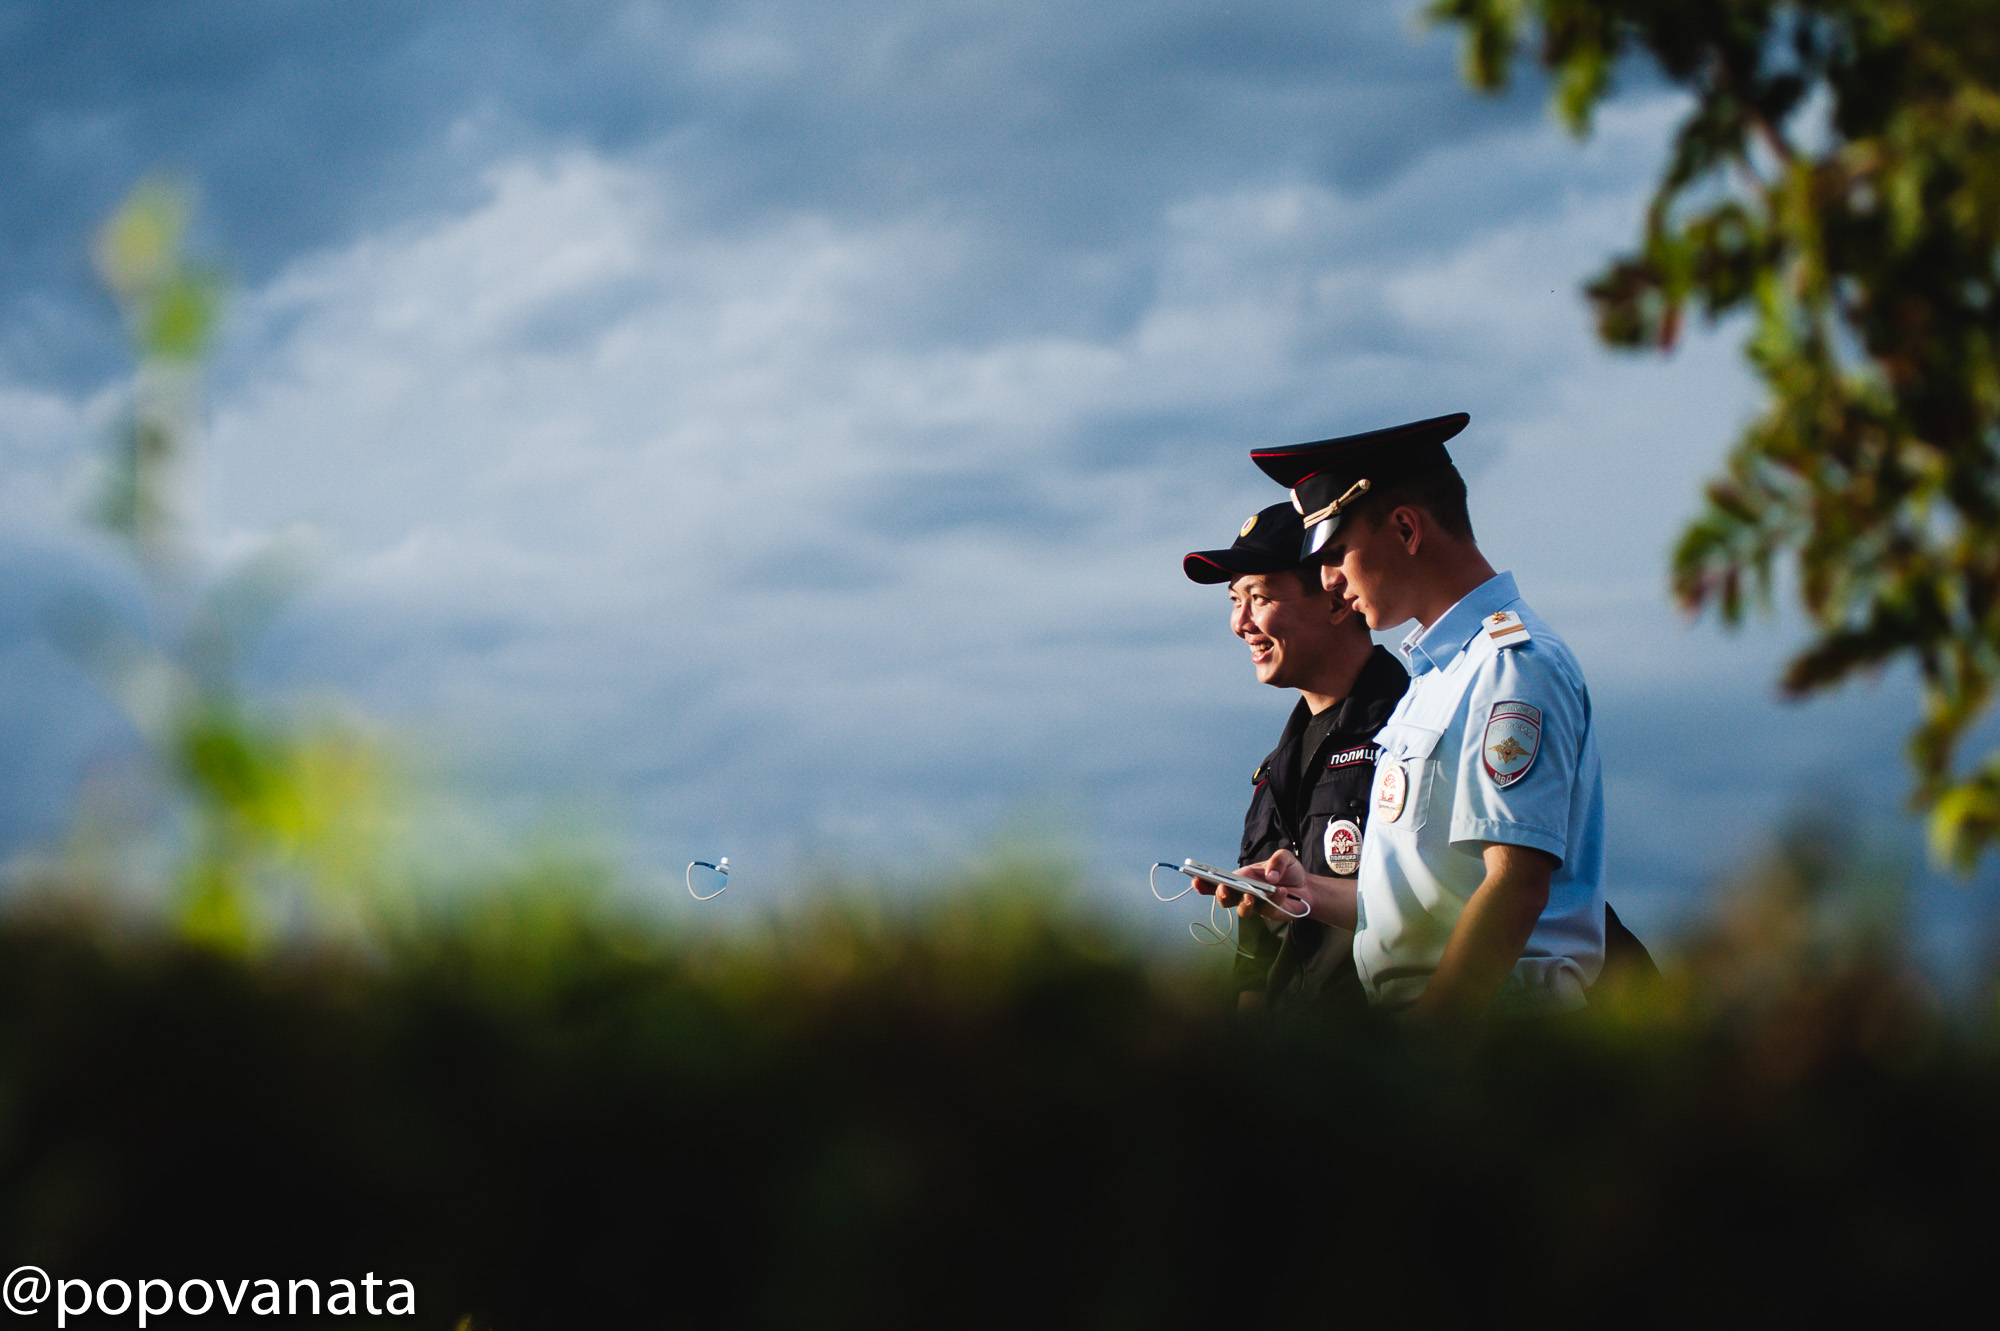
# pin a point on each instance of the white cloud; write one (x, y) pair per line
(750, 525)
(46, 450)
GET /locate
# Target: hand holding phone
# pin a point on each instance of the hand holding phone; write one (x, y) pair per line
(1263, 892)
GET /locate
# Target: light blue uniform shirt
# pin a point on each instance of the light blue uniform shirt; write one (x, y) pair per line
(1493, 742)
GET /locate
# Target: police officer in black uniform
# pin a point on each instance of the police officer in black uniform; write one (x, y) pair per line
(1310, 795)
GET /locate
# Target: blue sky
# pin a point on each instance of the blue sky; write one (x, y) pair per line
(775, 426)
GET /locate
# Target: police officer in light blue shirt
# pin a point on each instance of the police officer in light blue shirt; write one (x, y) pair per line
(1481, 880)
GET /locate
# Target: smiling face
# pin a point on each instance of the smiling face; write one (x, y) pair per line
(1289, 625)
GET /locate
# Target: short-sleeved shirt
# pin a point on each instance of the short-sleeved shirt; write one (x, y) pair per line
(1493, 742)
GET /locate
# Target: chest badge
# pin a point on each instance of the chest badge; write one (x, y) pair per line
(1392, 788)
(1343, 847)
(1513, 738)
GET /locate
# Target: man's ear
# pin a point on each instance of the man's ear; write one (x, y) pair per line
(1409, 526)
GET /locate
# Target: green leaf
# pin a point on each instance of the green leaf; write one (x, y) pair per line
(1867, 251)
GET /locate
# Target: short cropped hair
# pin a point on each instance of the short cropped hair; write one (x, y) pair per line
(1439, 492)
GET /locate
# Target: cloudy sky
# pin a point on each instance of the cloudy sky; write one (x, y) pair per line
(775, 426)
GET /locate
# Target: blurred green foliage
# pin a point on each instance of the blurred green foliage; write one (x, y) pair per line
(141, 254)
(169, 305)
(276, 807)
(1837, 178)
(970, 1110)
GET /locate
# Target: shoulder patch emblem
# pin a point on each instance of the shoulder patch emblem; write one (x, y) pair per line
(1248, 523)
(1343, 847)
(1513, 738)
(1505, 627)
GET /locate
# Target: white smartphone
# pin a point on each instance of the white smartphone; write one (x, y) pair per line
(1264, 892)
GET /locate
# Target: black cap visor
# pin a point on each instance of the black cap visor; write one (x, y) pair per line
(1229, 565)
(1264, 544)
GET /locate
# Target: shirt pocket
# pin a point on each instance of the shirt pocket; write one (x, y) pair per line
(1412, 750)
(1336, 815)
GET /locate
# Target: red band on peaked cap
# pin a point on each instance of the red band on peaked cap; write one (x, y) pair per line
(1400, 449)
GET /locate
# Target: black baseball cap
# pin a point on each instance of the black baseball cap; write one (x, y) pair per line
(1266, 543)
(1328, 475)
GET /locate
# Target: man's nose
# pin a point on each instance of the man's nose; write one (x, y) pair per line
(1239, 618)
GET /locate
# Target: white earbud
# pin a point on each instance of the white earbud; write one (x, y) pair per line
(721, 866)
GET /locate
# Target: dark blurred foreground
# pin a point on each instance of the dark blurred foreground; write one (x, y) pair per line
(984, 1115)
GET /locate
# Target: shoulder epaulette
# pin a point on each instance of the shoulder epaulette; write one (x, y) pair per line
(1257, 777)
(1505, 627)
